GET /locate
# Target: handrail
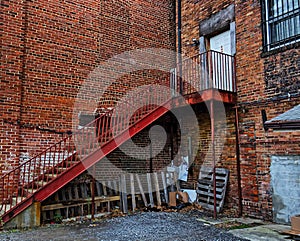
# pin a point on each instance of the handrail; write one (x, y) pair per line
(208, 70)
(25, 179)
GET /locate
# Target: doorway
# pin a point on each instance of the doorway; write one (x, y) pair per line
(220, 47)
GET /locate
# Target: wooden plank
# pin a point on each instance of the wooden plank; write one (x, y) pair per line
(176, 181)
(163, 177)
(150, 190)
(83, 190)
(98, 188)
(104, 188)
(115, 187)
(156, 186)
(70, 193)
(210, 188)
(124, 193)
(132, 192)
(205, 183)
(51, 215)
(141, 189)
(76, 194)
(44, 216)
(63, 194)
(109, 188)
(208, 194)
(85, 201)
(56, 197)
(120, 193)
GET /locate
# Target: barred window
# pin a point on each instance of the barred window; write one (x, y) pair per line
(281, 23)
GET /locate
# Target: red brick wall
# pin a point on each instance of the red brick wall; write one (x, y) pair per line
(134, 157)
(193, 12)
(48, 50)
(263, 83)
(12, 73)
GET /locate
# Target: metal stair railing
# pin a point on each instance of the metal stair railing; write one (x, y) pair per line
(24, 180)
(208, 70)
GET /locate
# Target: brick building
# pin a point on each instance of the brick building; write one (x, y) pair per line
(50, 49)
(240, 66)
(264, 38)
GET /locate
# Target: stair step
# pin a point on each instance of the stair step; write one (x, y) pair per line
(31, 190)
(61, 169)
(5, 208)
(16, 200)
(51, 176)
(40, 183)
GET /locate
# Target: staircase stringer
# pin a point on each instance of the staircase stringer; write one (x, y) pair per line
(72, 172)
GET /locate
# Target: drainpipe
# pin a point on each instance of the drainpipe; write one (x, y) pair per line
(212, 120)
(179, 46)
(238, 161)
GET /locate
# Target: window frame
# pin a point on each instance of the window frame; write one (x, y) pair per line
(269, 43)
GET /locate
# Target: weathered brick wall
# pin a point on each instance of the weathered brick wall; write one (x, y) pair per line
(50, 48)
(282, 71)
(134, 157)
(193, 12)
(12, 72)
(264, 82)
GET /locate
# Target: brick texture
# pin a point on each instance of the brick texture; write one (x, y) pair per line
(265, 81)
(48, 50)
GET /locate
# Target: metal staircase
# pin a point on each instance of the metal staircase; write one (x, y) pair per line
(41, 176)
(211, 73)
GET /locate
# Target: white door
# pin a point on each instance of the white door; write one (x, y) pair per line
(221, 43)
(221, 61)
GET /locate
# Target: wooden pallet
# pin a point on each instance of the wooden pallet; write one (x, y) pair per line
(205, 187)
(75, 199)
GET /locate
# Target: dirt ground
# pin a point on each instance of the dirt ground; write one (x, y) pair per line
(139, 226)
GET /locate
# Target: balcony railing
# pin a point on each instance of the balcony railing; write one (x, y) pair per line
(209, 70)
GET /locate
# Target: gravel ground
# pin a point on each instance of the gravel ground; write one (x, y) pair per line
(141, 226)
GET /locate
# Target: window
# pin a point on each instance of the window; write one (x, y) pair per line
(281, 23)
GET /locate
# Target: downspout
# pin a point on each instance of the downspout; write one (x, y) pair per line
(179, 46)
(212, 121)
(238, 162)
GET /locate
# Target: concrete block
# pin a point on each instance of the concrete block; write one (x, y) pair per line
(29, 218)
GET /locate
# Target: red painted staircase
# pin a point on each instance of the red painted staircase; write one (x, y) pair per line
(41, 176)
(211, 73)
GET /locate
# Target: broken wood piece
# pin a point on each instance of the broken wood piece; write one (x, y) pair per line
(172, 199)
(115, 186)
(181, 196)
(156, 185)
(141, 190)
(132, 192)
(163, 177)
(150, 190)
(104, 188)
(124, 193)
